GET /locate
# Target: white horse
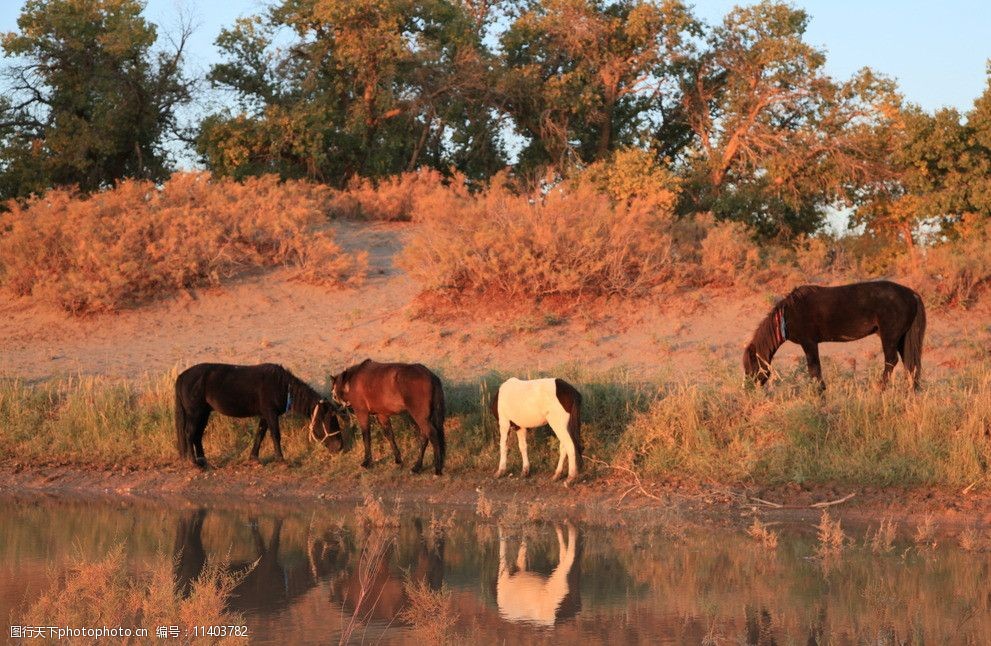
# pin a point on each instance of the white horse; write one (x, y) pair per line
(527, 404)
(534, 598)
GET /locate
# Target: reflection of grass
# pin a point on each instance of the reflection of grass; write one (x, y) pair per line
(430, 612)
(371, 560)
(766, 537)
(717, 430)
(105, 592)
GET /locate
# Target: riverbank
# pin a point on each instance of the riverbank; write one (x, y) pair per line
(617, 500)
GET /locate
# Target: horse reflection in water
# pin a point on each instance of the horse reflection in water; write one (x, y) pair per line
(266, 583)
(537, 599)
(375, 590)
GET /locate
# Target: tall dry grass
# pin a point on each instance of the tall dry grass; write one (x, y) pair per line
(108, 592)
(139, 242)
(718, 430)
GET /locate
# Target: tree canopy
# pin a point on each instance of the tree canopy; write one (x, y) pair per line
(88, 99)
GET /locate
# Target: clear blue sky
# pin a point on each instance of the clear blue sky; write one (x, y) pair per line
(936, 50)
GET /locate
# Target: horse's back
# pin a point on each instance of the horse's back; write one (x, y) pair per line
(527, 403)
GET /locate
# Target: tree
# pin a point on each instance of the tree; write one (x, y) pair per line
(91, 102)
(580, 77)
(777, 141)
(372, 88)
(940, 167)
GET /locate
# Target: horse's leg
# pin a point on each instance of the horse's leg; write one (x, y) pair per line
(387, 430)
(259, 436)
(427, 436)
(503, 449)
(561, 455)
(521, 440)
(812, 360)
(559, 424)
(365, 424)
(200, 421)
(889, 345)
(273, 424)
(521, 556)
(503, 567)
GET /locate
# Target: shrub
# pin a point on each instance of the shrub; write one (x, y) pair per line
(727, 250)
(953, 272)
(566, 242)
(391, 199)
(138, 242)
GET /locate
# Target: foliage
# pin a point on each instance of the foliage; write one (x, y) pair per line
(366, 88)
(579, 77)
(138, 242)
(91, 102)
(391, 199)
(778, 141)
(940, 174)
(568, 241)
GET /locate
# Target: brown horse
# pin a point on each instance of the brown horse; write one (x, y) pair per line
(812, 314)
(386, 389)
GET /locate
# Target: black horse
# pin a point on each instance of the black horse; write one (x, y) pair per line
(266, 391)
(386, 389)
(812, 314)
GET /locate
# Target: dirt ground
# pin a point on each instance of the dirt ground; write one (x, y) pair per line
(314, 331)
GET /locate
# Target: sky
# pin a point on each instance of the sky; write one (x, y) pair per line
(936, 50)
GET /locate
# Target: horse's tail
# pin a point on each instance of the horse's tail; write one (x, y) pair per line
(181, 434)
(913, 343)
(437, 415)
(571, 401)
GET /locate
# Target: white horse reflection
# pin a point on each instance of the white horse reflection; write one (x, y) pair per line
(529, 597)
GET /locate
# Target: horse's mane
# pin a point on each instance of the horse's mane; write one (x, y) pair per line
(299, 391)
(765, 338)
(349, 372)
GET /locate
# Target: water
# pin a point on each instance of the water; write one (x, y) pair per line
(531, 583)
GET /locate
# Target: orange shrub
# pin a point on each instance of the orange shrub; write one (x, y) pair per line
(567, 241)
(138, 242)
(391, 199)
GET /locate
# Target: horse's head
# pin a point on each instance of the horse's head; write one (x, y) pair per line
(325, 428)
(339, 389)
(754, 367)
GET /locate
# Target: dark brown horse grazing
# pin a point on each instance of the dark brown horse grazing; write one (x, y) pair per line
(266, 391)
(812, 314)
(386, 389)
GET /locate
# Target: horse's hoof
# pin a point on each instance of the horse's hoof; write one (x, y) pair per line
(556, 477)
(416, 468)
(201, 463)
(500, 473)
(525, 473)
(366, 464)
(399, 461)
(570, 481)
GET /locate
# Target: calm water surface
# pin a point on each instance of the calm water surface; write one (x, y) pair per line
(530, 583)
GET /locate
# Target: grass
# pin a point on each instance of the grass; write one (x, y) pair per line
(714, 431)
(106, 592)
